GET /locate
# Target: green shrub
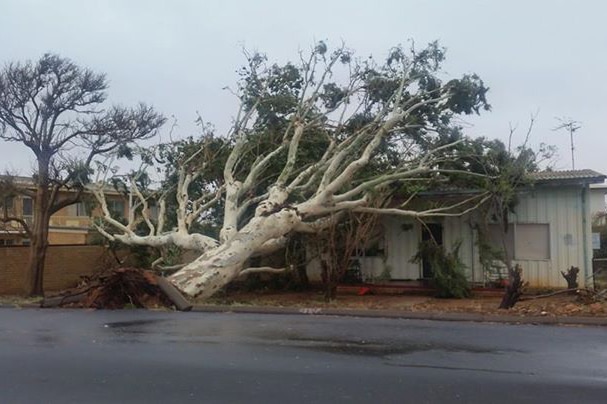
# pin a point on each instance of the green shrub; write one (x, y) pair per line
(448, 271)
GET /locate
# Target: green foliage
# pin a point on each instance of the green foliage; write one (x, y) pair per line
(468, 95)
(386, 274)
(448, 271)
(506, 173)
(352, 275)
(275, 91)
(141, 256)
(204, 155)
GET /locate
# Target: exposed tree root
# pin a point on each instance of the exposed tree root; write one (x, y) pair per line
(120, 288)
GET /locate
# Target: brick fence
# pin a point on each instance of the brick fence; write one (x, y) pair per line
(64, 266)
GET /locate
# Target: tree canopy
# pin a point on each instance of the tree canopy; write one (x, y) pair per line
(328, 134)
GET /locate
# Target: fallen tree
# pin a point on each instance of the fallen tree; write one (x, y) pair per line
(302, 150)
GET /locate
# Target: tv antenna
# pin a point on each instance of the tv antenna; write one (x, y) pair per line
(570, 126)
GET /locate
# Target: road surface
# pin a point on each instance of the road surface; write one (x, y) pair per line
(76, 356)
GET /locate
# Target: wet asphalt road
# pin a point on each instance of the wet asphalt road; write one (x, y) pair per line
(63, 356)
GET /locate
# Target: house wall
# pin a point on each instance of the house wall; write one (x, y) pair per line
(597, 200)
(58, 237)
(462, 230)
(598, 207)
(562, 209)
(401, 240)
(67, 221)
(399, 244)
(565, 210)
(63, 269)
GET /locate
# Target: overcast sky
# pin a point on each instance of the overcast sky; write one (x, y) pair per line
(536, 56)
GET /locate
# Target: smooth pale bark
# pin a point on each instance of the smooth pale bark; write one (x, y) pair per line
(194, 241)
(216, 268)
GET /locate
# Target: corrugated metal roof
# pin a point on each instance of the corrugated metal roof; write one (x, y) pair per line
(589, 175)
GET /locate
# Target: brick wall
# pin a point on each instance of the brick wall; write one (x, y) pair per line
(55, 237)
(64, 266)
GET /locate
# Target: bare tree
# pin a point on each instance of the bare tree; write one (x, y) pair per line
(55, 108)
(341, 245)
(382, 126)
(507, 173)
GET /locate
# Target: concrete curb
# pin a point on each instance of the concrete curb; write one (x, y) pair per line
(319, 311)
(472, 317)
(19, 306)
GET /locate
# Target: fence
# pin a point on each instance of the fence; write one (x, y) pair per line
(599, 269)
(65, 264)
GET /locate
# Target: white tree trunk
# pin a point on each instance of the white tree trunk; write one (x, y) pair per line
(216, 268)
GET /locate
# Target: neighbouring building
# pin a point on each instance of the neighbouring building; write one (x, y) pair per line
(598, 207)
(599, 234)
(70, 225)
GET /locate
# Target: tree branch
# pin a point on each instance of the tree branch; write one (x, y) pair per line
(256, 270)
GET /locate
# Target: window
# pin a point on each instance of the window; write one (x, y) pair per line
(78, 209)
(9, 203)
(28, 206)
(116, 207)
(532, 242)
(525, 241)
(154, 210)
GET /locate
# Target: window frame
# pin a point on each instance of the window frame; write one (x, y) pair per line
(515, 243)
(31, 206)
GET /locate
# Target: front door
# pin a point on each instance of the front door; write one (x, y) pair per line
(431, 232)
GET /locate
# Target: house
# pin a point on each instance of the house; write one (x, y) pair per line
(549, 231)
(70, 225)
(598, 207)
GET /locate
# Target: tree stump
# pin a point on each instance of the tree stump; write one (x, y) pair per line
(515, 287)
(571, 277)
